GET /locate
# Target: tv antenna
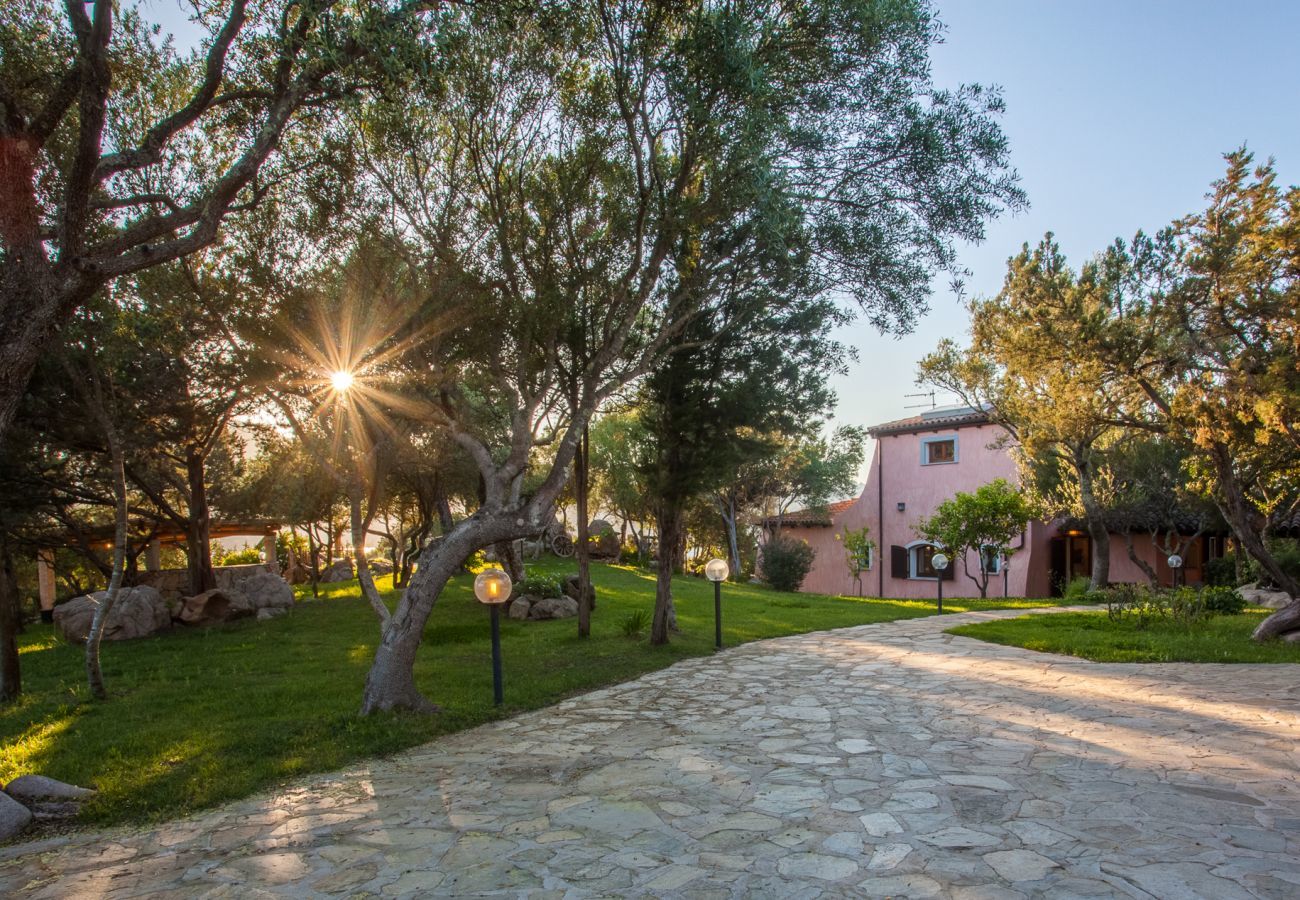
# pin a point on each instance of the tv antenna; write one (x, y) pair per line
(930, 405)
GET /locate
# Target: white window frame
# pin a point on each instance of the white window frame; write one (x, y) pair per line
(940, 439)
(997, 560)
(912, 561)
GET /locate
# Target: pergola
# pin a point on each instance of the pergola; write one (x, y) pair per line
(158, 536)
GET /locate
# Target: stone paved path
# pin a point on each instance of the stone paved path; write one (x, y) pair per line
(884, 760)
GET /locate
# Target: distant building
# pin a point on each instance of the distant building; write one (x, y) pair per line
(918, 463)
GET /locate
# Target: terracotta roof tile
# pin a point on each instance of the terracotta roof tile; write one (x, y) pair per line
(932, 420)
(816, 516)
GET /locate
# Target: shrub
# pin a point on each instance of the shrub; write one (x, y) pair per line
(244, 556)
(787, 562)
(1077, 588)
(1221, 571)
(1223, 601)
(540, 586)
(1187, 606)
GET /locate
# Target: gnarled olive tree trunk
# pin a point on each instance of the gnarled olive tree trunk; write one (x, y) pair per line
(1096, 519)
(1241, 516)
(391, 682)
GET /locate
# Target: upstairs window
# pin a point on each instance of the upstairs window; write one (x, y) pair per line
(938, 450)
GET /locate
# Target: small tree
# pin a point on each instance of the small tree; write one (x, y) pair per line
(982, 523)
(858, 548)
(787, 562)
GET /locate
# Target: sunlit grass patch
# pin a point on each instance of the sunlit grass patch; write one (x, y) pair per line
(198, 717)
(1092, 635)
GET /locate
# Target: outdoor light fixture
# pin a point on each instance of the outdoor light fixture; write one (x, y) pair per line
(1175, 563)
(717, 570)
(901, 506)
(492, 587)
(1006, 570)
(341, 380)
(940, 562)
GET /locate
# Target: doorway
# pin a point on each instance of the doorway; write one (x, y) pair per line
(1070, 556)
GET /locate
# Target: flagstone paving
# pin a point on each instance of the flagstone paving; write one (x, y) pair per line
(884, 760)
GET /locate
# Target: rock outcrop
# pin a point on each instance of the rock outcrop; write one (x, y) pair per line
(214, 606)
(266, 590)
(553, 608)
(14, 817)
(1257, 596)
(36, 798)
(570, 588)
(338, 571)
(138, 612)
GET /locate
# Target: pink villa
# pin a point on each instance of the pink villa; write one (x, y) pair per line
(918, 463)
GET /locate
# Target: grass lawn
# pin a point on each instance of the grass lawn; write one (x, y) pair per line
(1091, 635)
(197, 717)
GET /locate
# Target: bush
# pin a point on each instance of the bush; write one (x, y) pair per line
(1220, 572)
(786, 562)
(1223, 601)
(1077, 589)
(540, 586)
(1187, 606)
(244, 556)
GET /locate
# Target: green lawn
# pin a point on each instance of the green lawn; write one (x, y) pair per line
(199, 717)
(1091, 635)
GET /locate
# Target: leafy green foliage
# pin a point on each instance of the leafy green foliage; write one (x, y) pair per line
(979, 525)
(1143, 606)
(1079, 590)
(540, 586)
(786, 562)
(246, 555)
(858, 549)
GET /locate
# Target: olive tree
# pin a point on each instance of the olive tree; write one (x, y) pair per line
(576, 189)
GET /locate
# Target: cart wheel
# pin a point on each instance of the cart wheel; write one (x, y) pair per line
(563, 546)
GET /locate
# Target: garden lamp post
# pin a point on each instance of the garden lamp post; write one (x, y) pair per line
(1175, 564)
(940, 562)
(492, 588)
(717, 570)
(1006, 569)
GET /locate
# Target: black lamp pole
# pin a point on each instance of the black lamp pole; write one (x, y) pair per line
(498, 696)
(717, 615)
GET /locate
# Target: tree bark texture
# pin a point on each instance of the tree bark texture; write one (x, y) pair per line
(391, 682)
(199, 531)
(1138, 561)
(11, 679)
(671, 524)
(94, 672)
(1242, 517)
(580, 472)
(1096, 520)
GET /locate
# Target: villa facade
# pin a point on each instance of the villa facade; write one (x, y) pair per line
(918, 463)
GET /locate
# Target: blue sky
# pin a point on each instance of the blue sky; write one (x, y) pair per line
(1118, 114)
